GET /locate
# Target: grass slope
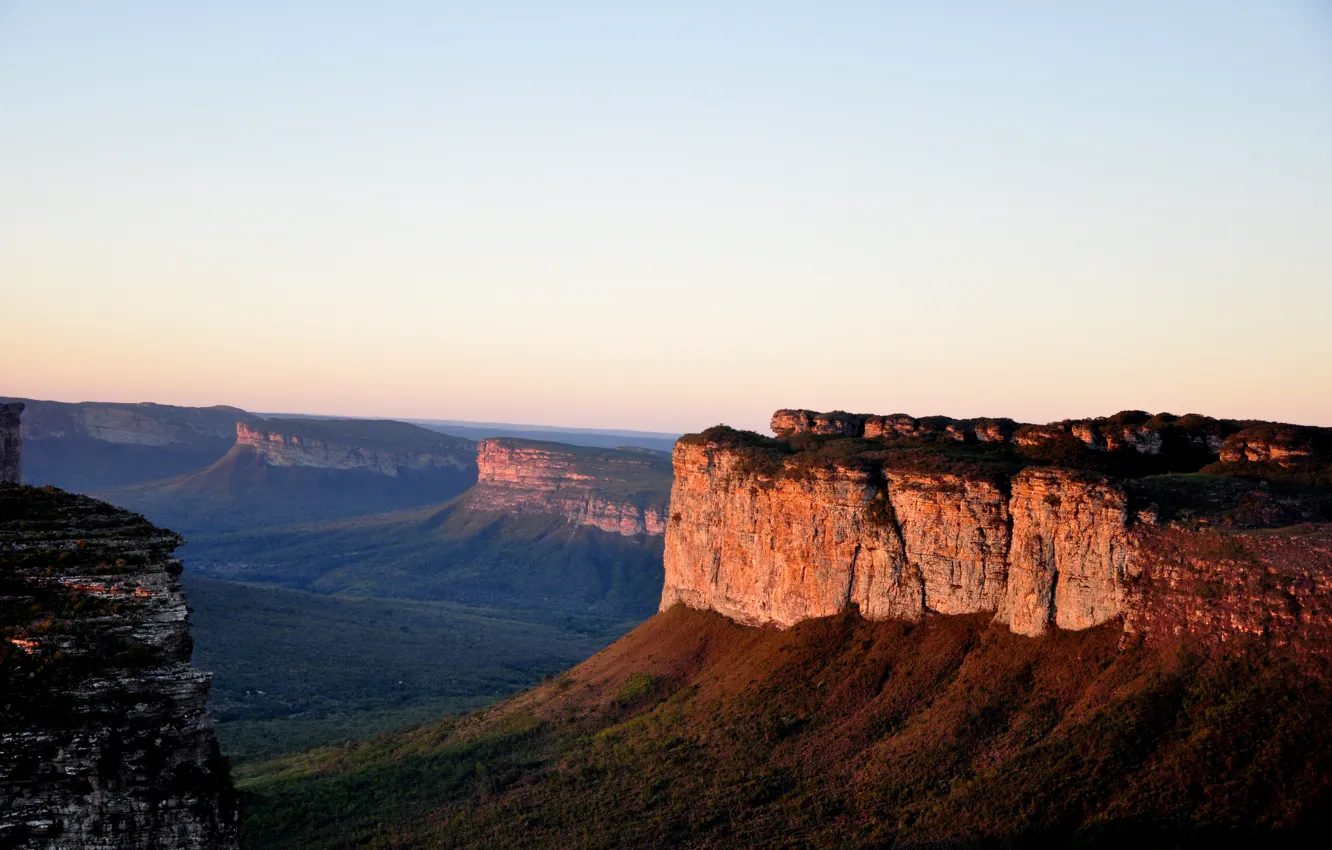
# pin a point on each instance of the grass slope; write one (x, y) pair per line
(294, 670)
(449, 553)
(693, 731)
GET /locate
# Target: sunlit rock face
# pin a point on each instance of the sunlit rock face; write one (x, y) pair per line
(11, 443)
(1072, 552)
(622, 491)
(105, 740)
(386, 448)
(778, 548)
(880, 512)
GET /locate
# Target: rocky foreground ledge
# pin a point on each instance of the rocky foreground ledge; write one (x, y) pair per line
(105, 740)
(1173, 524)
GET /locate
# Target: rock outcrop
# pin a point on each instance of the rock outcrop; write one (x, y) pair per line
(1072, 553)
(11, 443)
(105, 740)
(380, 446)
(1132, 430)
(782, 546)
(622, 491)
(775, 532)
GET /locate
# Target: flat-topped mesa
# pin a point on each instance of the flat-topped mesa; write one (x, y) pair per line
(777, 531)
(622, 491)
(142, 424)
(105, 738)
(11, 443)
(380, 446)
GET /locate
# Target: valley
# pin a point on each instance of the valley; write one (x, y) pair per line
(294, 670)
(865, 631)
(351, 576)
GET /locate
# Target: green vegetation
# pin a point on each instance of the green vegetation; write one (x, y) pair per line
(294, 670)
(450, 553)
(839, 733)
(242, 492)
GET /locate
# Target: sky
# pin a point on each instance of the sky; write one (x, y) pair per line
(667, 215)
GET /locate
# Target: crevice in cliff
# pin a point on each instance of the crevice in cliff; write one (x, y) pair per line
(851, 578)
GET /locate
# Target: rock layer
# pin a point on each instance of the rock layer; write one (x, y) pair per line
(105, 740)
(131, 424)
(905, 517)
(782, 546)
(1072, 553)
(622, 491)
(383, 447)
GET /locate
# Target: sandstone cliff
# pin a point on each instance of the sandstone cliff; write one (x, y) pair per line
(623, 491)
(105, 741)
(380, 446)
(91, 446)
(927, 516)
(143, 424)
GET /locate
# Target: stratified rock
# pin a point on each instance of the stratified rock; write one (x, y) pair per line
(779, 551)
(622, 491)
(955, 531)
(1072, 551)
(105, 740)
(384, 447)
(772, 532)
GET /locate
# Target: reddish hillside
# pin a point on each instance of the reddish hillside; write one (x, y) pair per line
(842, 732)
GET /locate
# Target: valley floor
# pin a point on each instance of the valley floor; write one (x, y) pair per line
(294, 670)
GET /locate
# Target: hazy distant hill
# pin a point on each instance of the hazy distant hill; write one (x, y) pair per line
(91, 446)
(295, 470)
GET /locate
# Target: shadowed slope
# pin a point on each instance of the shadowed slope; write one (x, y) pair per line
(839, 732)
(242, 491)
(450, 553)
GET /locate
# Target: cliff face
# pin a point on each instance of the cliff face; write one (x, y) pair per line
(105, 741)
(386, 448)
(783, 547)
(622, 491)
(130, 424)
(11, 443)
(92, 446)
(916, 521)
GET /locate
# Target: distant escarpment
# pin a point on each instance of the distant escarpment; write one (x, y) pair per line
(104, 737)
(623, 491)
(1175, 524)
(90, 446)
(384, 447)
(300, 470)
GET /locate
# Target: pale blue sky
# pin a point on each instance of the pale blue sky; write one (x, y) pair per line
(579, 214)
